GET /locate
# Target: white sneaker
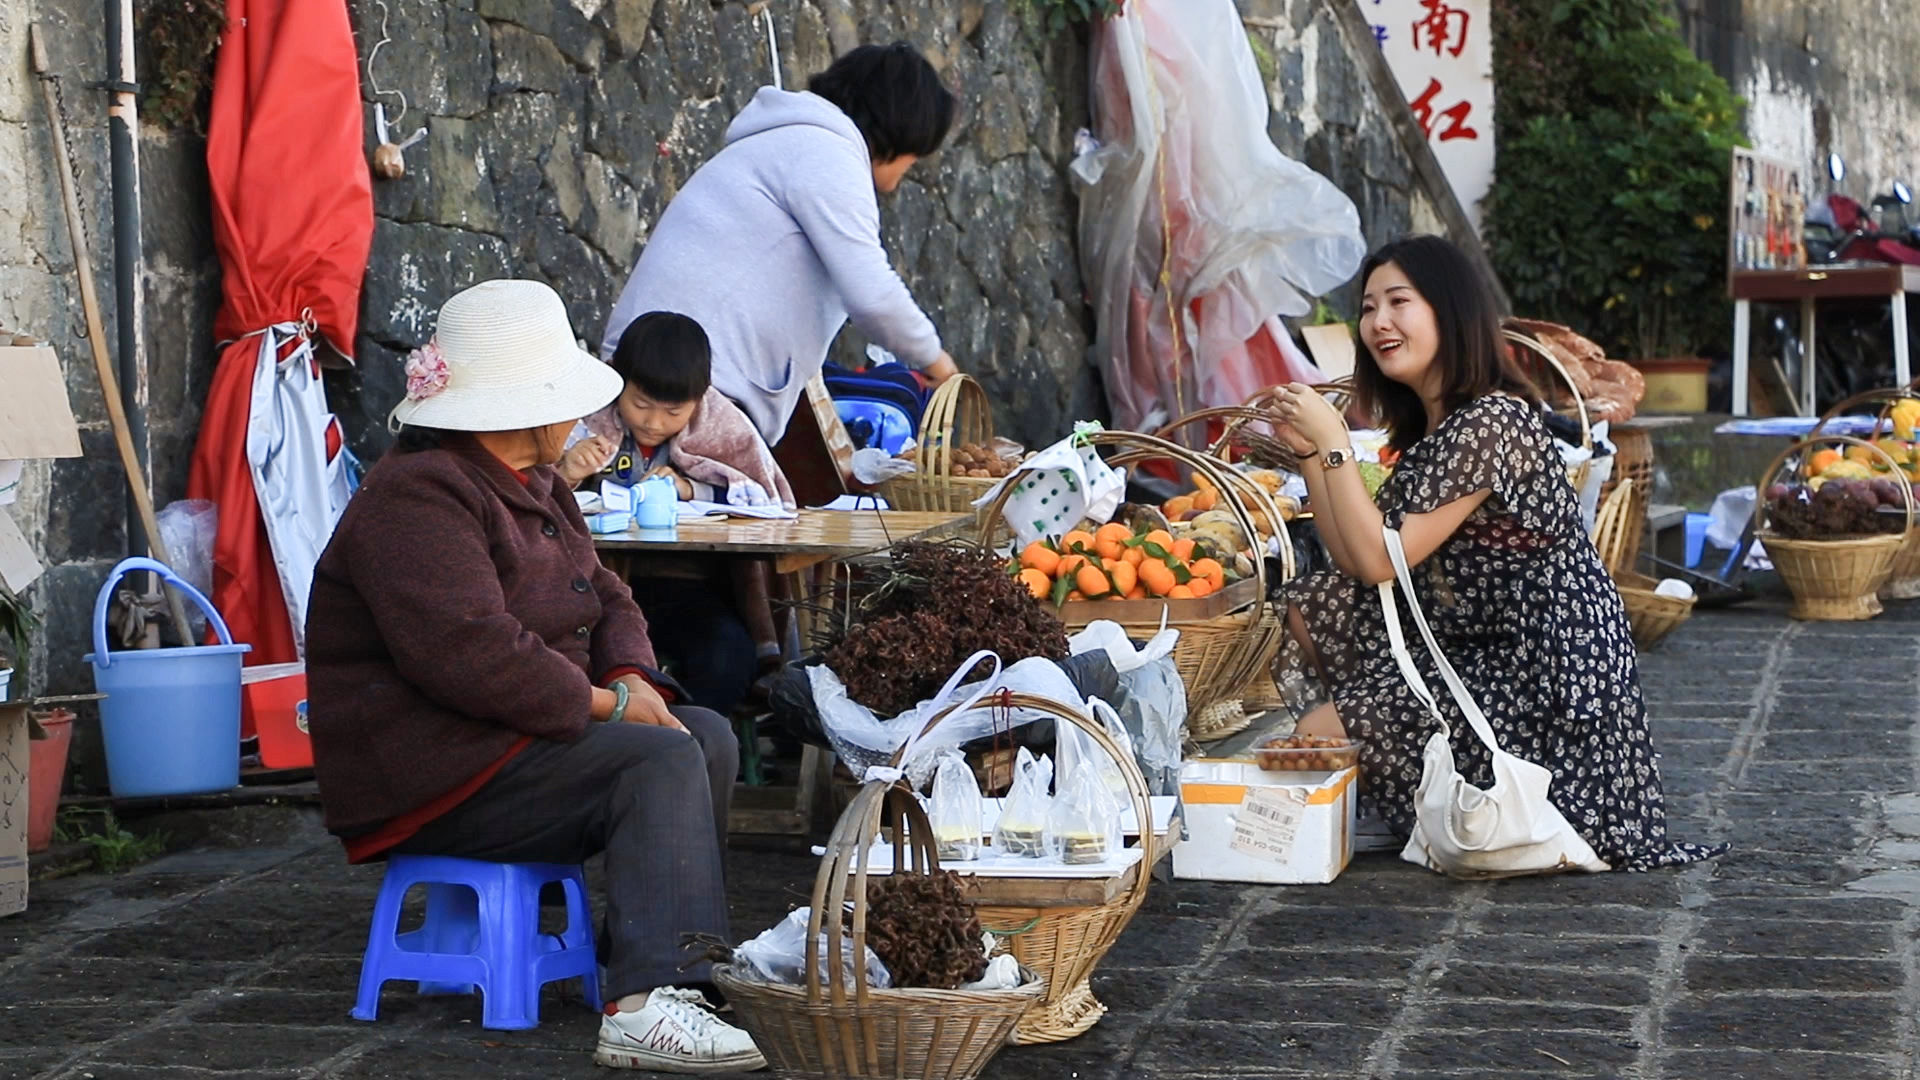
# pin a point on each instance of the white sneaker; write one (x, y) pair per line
(675, 1033)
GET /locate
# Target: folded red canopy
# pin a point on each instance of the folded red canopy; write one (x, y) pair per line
(293, 220)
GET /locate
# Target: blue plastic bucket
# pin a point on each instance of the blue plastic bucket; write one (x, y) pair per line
(171, 717)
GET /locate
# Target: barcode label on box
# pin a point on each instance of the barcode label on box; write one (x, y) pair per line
(1267, 823)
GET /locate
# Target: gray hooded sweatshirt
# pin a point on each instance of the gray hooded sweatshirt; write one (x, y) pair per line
(772, 245)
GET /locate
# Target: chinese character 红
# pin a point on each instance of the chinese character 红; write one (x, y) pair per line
(1445, 27)
(1456, 115)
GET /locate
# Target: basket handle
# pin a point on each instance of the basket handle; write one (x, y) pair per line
(135, 565)
(1886, 396)
(1780, 459)
(1579, 402)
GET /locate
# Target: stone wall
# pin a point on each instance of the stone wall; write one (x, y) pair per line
(557, 132)
(1821, 76)
(74, 511)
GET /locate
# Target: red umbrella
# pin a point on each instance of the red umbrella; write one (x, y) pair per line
(293, 220)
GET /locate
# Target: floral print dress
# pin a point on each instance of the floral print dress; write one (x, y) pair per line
(1520, 604)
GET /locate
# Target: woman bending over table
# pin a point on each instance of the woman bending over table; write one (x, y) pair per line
(482, 687)
(1511, 583)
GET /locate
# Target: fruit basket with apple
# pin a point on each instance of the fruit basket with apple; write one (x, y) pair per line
(1896, 414)
(1833, 531)
(1206, 576)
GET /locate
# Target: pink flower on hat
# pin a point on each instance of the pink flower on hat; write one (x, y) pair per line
(426, 371)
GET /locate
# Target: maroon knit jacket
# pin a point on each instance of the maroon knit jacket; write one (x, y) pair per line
(455, 610)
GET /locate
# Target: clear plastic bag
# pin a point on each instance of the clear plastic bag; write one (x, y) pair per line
(955, 808)
(1153, 706)
(1083, 824)
(1021, 830)
(779, 955)
(187, 528)
(1076, 751)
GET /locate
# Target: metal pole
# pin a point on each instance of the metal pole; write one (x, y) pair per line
(123, 126)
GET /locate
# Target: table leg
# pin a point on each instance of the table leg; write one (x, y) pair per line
(1742, 339)
(1902, 366)
(1809, 364)
(747, 730)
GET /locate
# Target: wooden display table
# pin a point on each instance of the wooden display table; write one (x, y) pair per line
(1878, 281)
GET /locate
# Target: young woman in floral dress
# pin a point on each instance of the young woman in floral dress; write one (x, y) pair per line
(1502, 565)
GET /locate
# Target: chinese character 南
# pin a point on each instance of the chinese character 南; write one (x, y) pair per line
(1456, 115)
(1444, 26)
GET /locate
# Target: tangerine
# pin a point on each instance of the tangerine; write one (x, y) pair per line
(1092, 581)
(1160, 538)
(1125, 576)
(1075, 595)
(1157, 576)
(1200, 587)
(1822, 460)
(1069, 566)
(1206, 500)
(1133, 556)
(1182, 549)
(1211, 570)
(1077, 540)
(1137, 593)
(1037, 582)
(1111, 540)
(1180, 592)
(1038, 556)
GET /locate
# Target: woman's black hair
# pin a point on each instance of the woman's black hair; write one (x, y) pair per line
(893, 96)
(1472, 357)
(413, 439)
(667, 356)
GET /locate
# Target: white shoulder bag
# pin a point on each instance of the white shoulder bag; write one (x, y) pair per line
(1507, 830)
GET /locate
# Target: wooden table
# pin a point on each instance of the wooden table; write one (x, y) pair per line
(794, 546)
(1880, 281)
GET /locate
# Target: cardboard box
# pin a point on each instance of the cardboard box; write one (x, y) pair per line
(35, 419)
(1247, 824)
(16, 728)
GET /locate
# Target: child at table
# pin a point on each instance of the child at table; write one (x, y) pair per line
(671, 422)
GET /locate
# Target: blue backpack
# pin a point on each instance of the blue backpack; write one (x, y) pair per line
(881, 406)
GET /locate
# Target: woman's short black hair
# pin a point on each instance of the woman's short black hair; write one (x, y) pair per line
(412, 439)
(667, 356)
(894, 97)
(1472, 356)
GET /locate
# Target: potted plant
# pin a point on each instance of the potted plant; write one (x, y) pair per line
(1609, 208)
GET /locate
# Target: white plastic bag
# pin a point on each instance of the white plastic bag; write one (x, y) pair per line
(1083, 824)
(1153, 703)
(954, 809)
(779, 955)
(1021, 829)
(865, 741)
(1058, 487)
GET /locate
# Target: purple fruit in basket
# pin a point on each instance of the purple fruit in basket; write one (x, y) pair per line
(1886, 492)
(1779, 493)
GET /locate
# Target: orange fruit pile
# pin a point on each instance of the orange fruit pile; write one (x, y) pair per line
(1115, 563)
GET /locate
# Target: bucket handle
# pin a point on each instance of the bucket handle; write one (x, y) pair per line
(129, 566)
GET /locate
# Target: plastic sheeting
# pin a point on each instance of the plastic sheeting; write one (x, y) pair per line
(1181, 119)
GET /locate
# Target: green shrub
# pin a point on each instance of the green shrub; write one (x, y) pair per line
(1609, 206)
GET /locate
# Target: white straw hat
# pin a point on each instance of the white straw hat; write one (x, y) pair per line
(503, 358)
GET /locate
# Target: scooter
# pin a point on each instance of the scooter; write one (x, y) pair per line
(1843, 231)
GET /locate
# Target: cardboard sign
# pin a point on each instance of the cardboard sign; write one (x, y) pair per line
(35, 418)
(1332, 349)
(1441, 54)
(18, 565)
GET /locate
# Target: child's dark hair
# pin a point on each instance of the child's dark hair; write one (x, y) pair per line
(1472, 356)
(893, 96)
(667, 356)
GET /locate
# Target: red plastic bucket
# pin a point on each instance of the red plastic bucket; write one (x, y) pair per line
(273, 698)
(46, 770)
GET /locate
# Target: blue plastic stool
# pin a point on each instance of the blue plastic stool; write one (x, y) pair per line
(482, 933)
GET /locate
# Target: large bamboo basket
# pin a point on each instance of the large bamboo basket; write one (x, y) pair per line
(1651, 615)
(1217, 658)
(1831, 580)
(1063, 945)
(836, 1032)
(1576, 474)
(1903, 581)
(958, 413)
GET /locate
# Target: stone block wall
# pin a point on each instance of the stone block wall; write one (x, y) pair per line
(557, 132)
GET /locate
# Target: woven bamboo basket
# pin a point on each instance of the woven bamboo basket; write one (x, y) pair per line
(1632, 460)
(1651, 615)
(1063, 945)
(1218, 657)
(1831, 580)
(957, 414)
(1903, 581)
(1576, 474)
(835, 1032)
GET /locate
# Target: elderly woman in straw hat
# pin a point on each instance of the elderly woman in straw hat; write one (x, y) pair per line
(480, 686)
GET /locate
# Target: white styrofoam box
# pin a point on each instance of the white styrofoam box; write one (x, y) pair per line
(1247, 824)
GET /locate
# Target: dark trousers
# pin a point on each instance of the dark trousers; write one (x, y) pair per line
(699, 637)
(653, 799)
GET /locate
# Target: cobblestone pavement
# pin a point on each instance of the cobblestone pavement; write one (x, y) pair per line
(1794, 956)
